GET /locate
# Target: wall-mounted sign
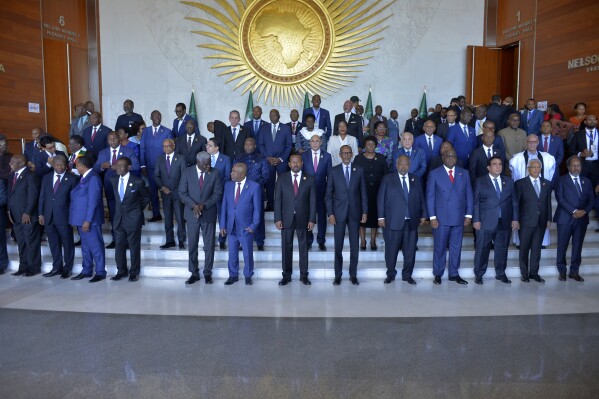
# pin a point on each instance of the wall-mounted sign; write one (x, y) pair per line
(2, 68)
(60, 32)
(34, 108)
(591, 62)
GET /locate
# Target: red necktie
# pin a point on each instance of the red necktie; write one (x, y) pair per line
(238, 193)
(295, 186)
(113, 157)
(451, 176)
(202, 181)
(57, 183)
(94, 133)
(315, 162)
(545, 145)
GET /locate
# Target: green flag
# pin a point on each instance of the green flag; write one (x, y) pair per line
(368, 111)
(307, 101)
(249, 108)
(423, 110)
(192, 107)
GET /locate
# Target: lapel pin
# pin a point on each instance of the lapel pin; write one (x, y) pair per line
(460, 174)
(130, 184)
(304, 177)
(354, 169)
(120, 153)
(412, 179)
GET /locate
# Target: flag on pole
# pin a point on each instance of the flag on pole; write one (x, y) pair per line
(368, 111)
(423, 110)
(306, 101)
(192, 106)
(249, 109)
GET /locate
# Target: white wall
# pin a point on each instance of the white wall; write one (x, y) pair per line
(150, 56)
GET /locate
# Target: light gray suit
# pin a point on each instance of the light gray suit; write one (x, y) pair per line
(75, 130)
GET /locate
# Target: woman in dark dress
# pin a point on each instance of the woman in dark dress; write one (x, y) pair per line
(375, 167)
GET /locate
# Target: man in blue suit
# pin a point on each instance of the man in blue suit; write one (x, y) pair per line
(393, 128)
(150, 149)
(106, 167)
(495, 216)
(87, 214)
(321, 115)
(318, 163)
(94, 136)
(449, 204)
(574, 195)
(554, 145)
(181, 120)
(347, 206)
(401, 209)
(53, 210)
(222, 163)
(43, 162)
(274, 142)
(295, 126)
(429, 142)
(531, 118)
(254, 125)
(463, 137)
(240, 216)
(416, 155)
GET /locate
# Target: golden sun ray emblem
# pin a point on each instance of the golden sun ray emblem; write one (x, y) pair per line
(281, 49)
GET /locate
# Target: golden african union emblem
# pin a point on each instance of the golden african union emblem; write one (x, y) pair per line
(281, 49)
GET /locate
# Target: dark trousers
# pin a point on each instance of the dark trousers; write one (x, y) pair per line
(221, 239)
(153, 192)
(321, 221)
(92, 250)
(287, 237)
(208, 231)
(270, 186)
(590, 169)
(29, 242)
(236, 238)
(531, 240)
(565, 232)
(260, 233)
(110, 201)
(404, 239)
(3, 249)
(354, 233)
(484, 238)
(173, 207)
(62, 247)
(444, 236)
(128, 237)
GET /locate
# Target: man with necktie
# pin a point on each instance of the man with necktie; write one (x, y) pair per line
(80, 121)
(222, 163)
(95, 136)
(550, 144)
(77, 149)
(586, 146)
(231, 138)
(295, 125)
(190, 144)
(463, 137)
(254, 125)
(180, 122)
(429, 142)
(531, 118)
(416, 155)
(479, 161)
(393, 128)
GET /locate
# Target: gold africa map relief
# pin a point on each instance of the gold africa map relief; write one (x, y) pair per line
(281, 49)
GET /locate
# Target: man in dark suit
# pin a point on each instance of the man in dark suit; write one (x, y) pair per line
(318, 163)
(321, 115)
(240, 216)
(295, 212)
(415, 124)
(444, 127)
(254, 125)
(449, 204)
(231, 138)
(274, 142)
(222, 163)
(354, 127)
(167, 176)
(53, 210)
(87, 214)
(32, 148)
(94, 136)
(401, 209)
(295, 126)
(377, 117)
(531, 118)
(80, 122)
(180, 122)
(495, 216)
(574, 195)
(347, 206)
(132, 198)
(23, 197)
(462, 137)
(553, 145)
(190, 144)
(416, 155)
(586, 146)
(498, 112)
(457, 105)
(533, 194)
(393, 127)
(200, 190)
(127, 119)
(43, 163)
(429, 142)
(479, 161)
(152, 138)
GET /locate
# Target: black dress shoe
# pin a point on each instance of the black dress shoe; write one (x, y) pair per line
(31, 274)
(231, 280)
(269, 209)
(322, 247)
(437, 280)
(389, 280)
(193, 279)
(576, 277)
(97, 278)
(517, 246)
(337, 281)
(525, 279)
(305, 281)
(409, 280)
(18, 273)
(285, 281)
(133, 278)
(119, 276)
(354, 280)
(181, 245)
(248, 281)
(261, 247)
(222, 245)
(309, 247)
(2, 271)
(208, 279)
(373, 247)
(78, 243)
(169, 244)
(562, 277)
(538, 279)
(503, 279)
(80, 276)
(65, 275)
(458, 280)
(52, 273)
(543, 247)
(112, 245)
(155, 219)
(363, 248)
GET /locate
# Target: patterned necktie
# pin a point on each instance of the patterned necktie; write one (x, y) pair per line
(451, 176)
(295, 186)
(466, 131)
(293, 127)
(315, 161)
(168, 164)
(57, 183)
(537, 190)
(238, 193)
(528, 116)
(94, 133)
(488, 153)
(578, 188)
(347, 175)
(201, 180)
(545, 145)
(113, 157)
(122, 189)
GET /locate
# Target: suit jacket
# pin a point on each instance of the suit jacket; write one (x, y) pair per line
(477, 166)
(417, 160)
(346, 202)
(223, 165)
(23, 197)
(86, 201)
(354, 126)
(288, 205)
(171, 178)
(325, 164)
(74, 130)
(129, 213)
(463, 146)
(497, 143)
(244, 214)
(249, 127)
(41, 163)
(106, 156)
(31, 152)
(532, 126)
(556, 148)
(442, 130)
(55, 206)
(448, 202)
(224, 135)
(498, 113)
(421, 142)
(392, 203)
(487, 205)
(393, 131)
(579, 143)
(373, 120)
(298, 126)
(568, 200)
(280, 147)
(324, 120)
(100, 140)
(178, 129)
(191, 194)
(151, 146)
(533, 211)
(125, 121)
(198, 144)
(416, 127)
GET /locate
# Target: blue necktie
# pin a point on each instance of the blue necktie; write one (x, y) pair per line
(256, 127)
(122, 189)
(408, 154)
(466, 131)
(406, 194)
(347, 175)
(488, 153)
(498, 194)
(212, 161)
(578, 188)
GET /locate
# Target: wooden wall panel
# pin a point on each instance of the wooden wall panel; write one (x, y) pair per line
(527, 62)
(57, 88)
(79, 69)
(65, 20)
(515, 21)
